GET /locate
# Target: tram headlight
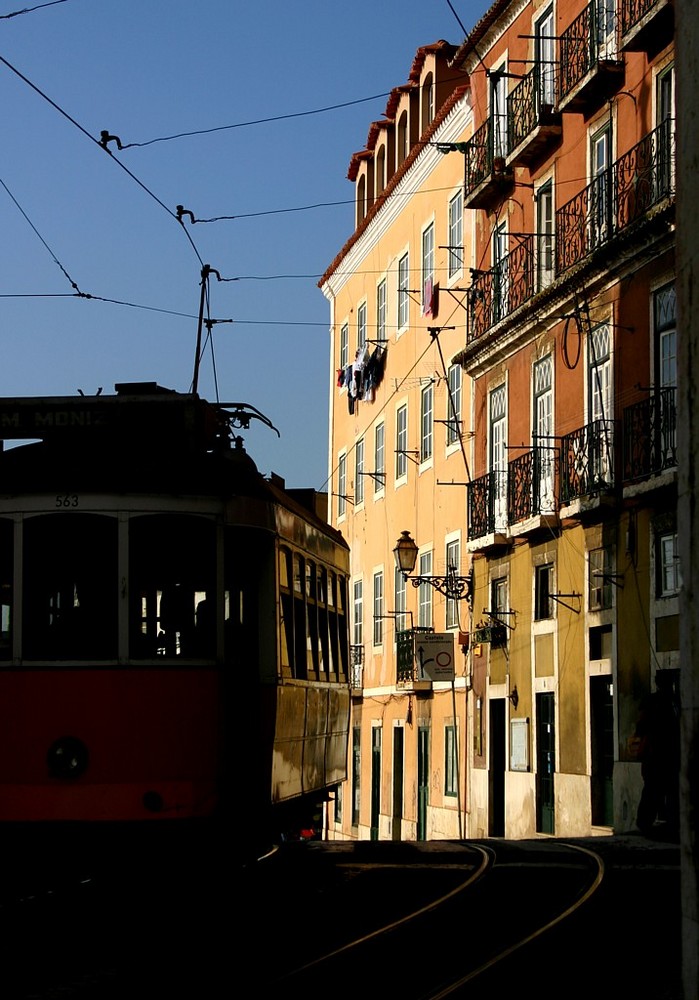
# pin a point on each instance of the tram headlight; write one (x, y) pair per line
(67, 758)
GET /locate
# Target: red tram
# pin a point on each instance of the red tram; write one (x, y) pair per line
(173, 625)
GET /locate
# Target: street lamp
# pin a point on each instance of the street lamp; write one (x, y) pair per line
(455, 588)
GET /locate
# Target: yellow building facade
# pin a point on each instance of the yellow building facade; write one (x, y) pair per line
(399, 457)
(512, 279)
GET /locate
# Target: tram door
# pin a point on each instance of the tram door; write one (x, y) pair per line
(375, 781)
(496, 769)
(423, 780)
(397, 811)
(545, 763)
(602, 745)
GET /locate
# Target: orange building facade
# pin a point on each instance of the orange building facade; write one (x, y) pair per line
(561, 494)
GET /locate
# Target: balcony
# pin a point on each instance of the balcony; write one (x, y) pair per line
(590, 70)
(533, 124)
(587, 462)
(407, 671)
(624, 193)
(488, 179)
(356, 669)
(487, 509)
(650, 436)
(531, 490)
(495, 294)
(646, 25)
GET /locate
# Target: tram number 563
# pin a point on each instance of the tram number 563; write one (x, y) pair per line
(67, 500)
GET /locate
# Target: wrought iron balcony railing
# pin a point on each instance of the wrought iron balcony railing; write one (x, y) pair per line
(531, 483)
(587, 41)
(587, 461)
(530, 104)
(356, 667)
(641, 178)
(496, 293)
(479, 157)
(487, 504)
(650, 436)
(633, 12)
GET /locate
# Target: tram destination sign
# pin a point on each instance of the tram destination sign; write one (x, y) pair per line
(434, 656)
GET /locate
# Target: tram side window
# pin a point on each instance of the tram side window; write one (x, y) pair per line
(70, 589)
(6, 563)
(299, 617)
(172, 567)
(286, 611)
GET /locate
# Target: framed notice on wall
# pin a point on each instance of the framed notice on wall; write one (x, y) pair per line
(519, 744)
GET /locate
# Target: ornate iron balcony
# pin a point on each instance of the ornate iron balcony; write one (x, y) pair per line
(650, 436)
(530, 107)
(495, 294)
(531, 484)
(356, 667)
(587, 461)
(588, 41)
(641, 178)
(487, 504)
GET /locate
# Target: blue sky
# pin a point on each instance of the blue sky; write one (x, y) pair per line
(72, 216)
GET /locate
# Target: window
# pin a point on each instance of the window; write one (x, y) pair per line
(378, 608)
(606, 23)
(402, 441)
(454, 404)
(344, 346)
(400, 601)
(498, 111)
(403, 288)
(338, 804)
(361, 326)
(427, 270)
(499, 609)
(358, 614)
(544, 60)
(456, 235)
(665, 323)
(544, 445)
(379, 459)
(359, 472)
(356, 772)
(342, 485)
(545, 236)
(665, 114)
(450, 768)
(403, 143)
(424, 597)
(600, 201)
(600, 578)
(500, 277)
(665, 330)
(498, 455)
(543, 583)
(426, 401)
(380, 169)
(669, 577)
(453, 560)
(381, 310)
(427, 101)
(601, 456)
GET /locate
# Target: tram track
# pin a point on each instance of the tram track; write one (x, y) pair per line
(451, 955)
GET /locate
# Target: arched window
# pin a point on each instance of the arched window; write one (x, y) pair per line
(402, 145)
(427, 101)
(380, 169)
(361, 199)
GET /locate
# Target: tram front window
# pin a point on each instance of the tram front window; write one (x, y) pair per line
(70, 590)
(172, 563)
(6, 561)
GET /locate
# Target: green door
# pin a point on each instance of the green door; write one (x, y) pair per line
(397, 813)
(375, 781)
(545, 763)
(602, 743)
(423, 779)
